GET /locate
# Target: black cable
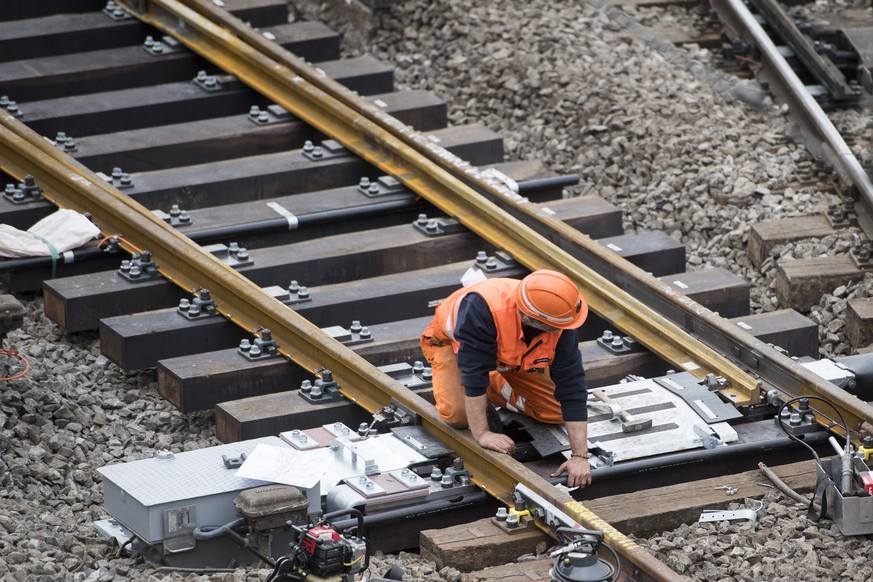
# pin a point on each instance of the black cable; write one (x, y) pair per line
(615, 557)
(821, 485)
(124, 545)
(801, 441)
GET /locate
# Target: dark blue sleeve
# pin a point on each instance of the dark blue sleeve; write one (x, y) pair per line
(569, 377)
(477, 333)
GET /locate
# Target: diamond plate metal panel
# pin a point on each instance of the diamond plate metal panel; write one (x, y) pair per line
(138, 493)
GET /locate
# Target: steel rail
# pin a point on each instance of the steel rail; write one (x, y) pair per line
(824, 141)
(69, 184)
(665, 334)
(822, 138)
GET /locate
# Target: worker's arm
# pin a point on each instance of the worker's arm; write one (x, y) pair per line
(577, 467)
(572, 393)
(477, 417)
(477, 357)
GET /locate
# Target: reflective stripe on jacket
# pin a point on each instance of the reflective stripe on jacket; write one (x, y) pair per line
(512, 352)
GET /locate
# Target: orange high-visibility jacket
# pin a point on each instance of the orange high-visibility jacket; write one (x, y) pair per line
(512, 352)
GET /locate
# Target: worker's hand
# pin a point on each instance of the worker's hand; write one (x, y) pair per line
(578, 472)
(496, 442)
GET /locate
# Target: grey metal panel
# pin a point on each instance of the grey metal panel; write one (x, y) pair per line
(137, 493)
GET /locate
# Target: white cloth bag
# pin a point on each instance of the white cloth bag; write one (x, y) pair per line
(57, 233)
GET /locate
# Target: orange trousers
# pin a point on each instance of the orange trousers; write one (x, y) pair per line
(528, 393)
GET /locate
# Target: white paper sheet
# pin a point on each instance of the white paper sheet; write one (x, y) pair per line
(285, 465)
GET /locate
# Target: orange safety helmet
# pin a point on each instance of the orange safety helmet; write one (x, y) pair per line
(552, 298)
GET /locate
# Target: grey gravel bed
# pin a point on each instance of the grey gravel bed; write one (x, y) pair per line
(563, 84)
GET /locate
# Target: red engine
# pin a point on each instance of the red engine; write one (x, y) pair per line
(323, 551)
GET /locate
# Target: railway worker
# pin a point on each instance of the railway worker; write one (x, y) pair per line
(514, 344)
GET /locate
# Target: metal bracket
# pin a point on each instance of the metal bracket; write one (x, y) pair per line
(299, 440)
(600, 456)
(366, 487)
(708, 437)
(842, 215)
(119, 178)
(862, 255)
(342, 431)
(458, 472)
(437, 226)
(616, 344)
(233, 462)
(294, 294)
(233, 255)
(511, 522)
(329, 148)
(409, 478)
(414, 377)
(709, 515)
(548, 513)
(115, 12)
(11, 107)
(209, 83)
(179, 526)
(499, 261)
(264, 347)
(370, 465)
(322, 391)
(381, 187)
(392, 416)
(66, 143)
(200, 307)
(797, 419)
(213, 83)
(167, 45)
(356, 334)
(25, 192)
(268, 116)
(176, 217)
(139, 268)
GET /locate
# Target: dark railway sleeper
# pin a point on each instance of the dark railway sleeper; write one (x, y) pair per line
(167, 102)
(800, 283)
(211, 140)
(769, 234)
(123, 67)
(42, 32)
(22, 10)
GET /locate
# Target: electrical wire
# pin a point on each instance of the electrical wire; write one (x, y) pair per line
(823, 484)
(781, 485)
(617, 575)
(120, 239)
(16, 354)
(801, 441)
